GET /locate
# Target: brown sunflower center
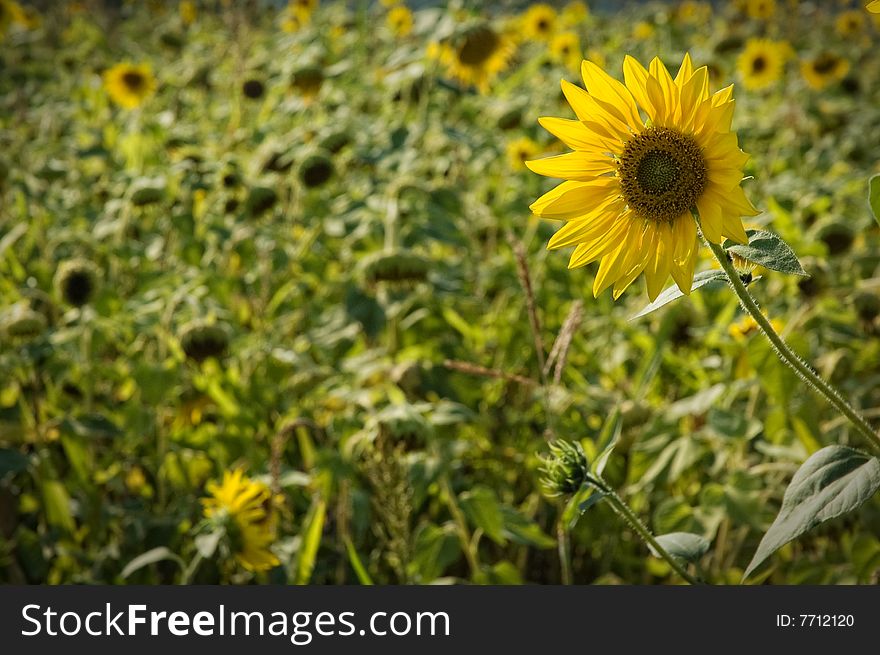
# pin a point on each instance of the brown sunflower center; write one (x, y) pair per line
(133, 80)
(662, 173)
(759, 64)
(825, 64)
(478, 46)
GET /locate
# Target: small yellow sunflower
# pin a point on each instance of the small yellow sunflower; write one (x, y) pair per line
(691, 12)
(129, 85)
(851, 23)
(520, 150)
(565, 48)
(824, 69)
(245, 508)
(539, 22)
(400, 21)
(477, 56)
(761, 63)
(574, 13)
(632, 184)
(762, 9)
(642, 31)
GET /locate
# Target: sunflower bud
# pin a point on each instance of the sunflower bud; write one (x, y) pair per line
(76, 281)
(401, 266)
(201, 340)
(315, 171)
(564, 470)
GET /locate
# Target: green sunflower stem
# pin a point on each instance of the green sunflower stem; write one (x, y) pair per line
(787, 355)
(625, 512)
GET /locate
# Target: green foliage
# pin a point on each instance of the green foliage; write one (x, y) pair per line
(767, 250)
(832, 482)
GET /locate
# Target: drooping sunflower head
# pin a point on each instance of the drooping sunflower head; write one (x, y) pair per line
(824, 69)
(646, 156)
(539, 22)
(477, 56)
(851, 23)
(244, 509)
(129, 85)
(761, 9)
(400, 20)
(761, 63)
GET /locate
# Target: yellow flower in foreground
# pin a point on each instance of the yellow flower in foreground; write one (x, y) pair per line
(565, 48)
(632, 183)
(824, 69)
(400, 21)
(539, 22)
(129, 85)
(761, 63)
(520, 150)
(851, 23)
(761, 8)
(478, 56)
(246, 507)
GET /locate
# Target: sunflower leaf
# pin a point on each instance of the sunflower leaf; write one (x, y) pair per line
(874, 196)
(833, 481)
(669, 294)
(768, 250)
(684, 545)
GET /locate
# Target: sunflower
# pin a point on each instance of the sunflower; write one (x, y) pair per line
(400, 21)
(761, 8)
(850, 23)
(761, 63)
(539, 22)
(478, 56)
(129, 85)
(574, 13)
(244, 508)
(642, 31)
(520, 150)
(824, 69)
(565, 48)
(692, 12)
(874, 6)
(632, 185)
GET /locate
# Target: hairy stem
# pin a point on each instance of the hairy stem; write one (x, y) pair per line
(787, 355)
(625, 512)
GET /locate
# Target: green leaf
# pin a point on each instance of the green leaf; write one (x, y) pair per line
(524, 531)
(669, 294)
(832, 482)
(874, 196)
(435, 549)
(150, 557)
(308, 551)
(768, 250)
(482, 508)
(684, 545)
(207, 543)
(355, 560)
(57, 505)
(12, 461)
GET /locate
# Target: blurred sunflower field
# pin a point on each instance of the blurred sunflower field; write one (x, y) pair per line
(274, 308)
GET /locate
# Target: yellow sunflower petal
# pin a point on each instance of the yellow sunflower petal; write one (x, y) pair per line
(575, 165)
